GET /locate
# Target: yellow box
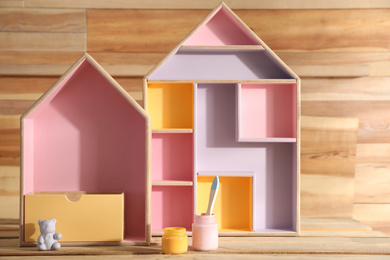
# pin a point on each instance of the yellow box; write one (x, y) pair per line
(81, 216)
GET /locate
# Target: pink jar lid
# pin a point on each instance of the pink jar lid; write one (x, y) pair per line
(203, 218)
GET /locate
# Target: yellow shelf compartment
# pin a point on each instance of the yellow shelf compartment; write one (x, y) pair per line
(82, 216)
(171, 105)
(234, 203)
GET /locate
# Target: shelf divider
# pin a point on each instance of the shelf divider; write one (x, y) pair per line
(172, 183)
(173, 131)
(223, 47)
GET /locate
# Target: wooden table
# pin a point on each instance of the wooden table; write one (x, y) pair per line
(320, 239)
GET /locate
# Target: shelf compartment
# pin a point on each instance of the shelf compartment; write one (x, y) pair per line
(172, 156)
(266, 112)
(222, 28)
(170, 105)
(222, 64)
(233, 206)
(172, 206)
(79, 215)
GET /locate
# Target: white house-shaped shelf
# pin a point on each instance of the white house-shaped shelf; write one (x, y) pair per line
(222, 103)
(87, 134)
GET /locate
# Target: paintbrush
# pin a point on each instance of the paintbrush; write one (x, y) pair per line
(213, 195)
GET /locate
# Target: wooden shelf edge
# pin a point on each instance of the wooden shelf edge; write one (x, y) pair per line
(226, 173)
(172, 183)
(173, 131)
(224, 47)
(223, 80)
(267, 140)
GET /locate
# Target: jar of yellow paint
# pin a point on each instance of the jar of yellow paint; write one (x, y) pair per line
(174, 240)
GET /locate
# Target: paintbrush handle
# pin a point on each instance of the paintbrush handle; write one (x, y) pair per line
(211, 202)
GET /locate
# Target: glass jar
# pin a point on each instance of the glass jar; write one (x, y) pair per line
(174, 240)
(204, 232)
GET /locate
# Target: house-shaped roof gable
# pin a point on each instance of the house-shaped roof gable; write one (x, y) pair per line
(84, 61)
(222, 27)
(221, 47)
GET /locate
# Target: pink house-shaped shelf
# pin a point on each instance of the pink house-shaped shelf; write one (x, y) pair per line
(87, 134)
(222, 103)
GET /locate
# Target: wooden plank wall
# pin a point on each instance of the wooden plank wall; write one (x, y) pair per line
(340, 49)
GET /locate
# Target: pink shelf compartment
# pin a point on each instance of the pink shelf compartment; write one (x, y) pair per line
(172, 207)
(274, 164)
(221, 29)
(266, 112)
(86, 136)
(172, 156)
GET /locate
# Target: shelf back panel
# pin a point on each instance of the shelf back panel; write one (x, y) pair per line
(170, 105)
(172, 157)
(233, 205)
(172, 206)
(220, 65)
(267, 110)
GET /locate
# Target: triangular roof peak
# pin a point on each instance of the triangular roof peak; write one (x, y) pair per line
(62, 82)
(221, 28)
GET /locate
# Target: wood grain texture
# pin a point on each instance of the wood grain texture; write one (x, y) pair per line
(228, 247)
(42, 41)
(320, 30)
(331, 70)
(139, 30)
(11, 3)
(9, 150)
(328, 151)
(372, 181)
(371, 212)
(348, 239)
(378, 62)
(382, 225)
(31, 88)
(346, 89)
(374, 116)
(56, 64)
(42, 20)
(9, 192)
(210, 4)
(333, 224)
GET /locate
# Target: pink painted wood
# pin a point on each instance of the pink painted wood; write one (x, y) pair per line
(220, 30)
(172, 157)
(172, 207)
(268, 110)
(86, 136)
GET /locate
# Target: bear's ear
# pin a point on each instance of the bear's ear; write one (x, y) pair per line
(53, 220)
(40, 221)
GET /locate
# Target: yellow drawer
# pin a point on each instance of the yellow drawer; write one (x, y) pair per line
(81, 216)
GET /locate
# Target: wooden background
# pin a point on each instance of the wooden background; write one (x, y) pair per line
(340, 49)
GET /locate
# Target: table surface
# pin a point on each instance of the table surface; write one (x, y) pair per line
(319, 239)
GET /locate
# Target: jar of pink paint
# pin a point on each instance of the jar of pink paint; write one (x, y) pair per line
(204, 232)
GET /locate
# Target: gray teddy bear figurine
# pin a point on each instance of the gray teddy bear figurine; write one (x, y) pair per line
(48, 238)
